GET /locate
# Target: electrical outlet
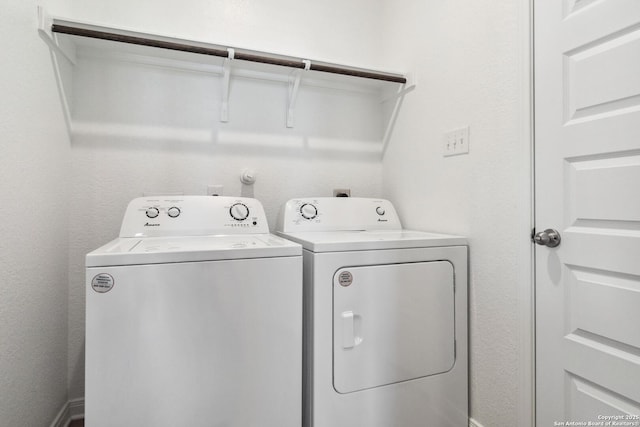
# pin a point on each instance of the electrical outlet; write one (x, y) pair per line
(341, 192)
(215, 190)
(456, 142)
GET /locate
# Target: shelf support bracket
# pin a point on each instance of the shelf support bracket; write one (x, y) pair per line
(294, 87)
(56, 51)
(226, 79)
(397, 99)
(44, 31)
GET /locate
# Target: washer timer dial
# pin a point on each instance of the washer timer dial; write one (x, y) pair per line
(308, 211)
(239, 211)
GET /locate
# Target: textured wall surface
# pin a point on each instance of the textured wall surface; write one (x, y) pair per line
(156, 130)
(468, 67)
(341, 32)
(34, 164)
(141, 128)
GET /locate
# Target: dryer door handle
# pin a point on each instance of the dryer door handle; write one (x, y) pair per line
(351, 326)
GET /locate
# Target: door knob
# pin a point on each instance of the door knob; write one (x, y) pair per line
(548, 237)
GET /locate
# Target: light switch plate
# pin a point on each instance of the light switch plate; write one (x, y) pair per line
(456, 142)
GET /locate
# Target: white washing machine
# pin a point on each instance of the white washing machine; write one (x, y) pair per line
(194, 318)
(385, 317)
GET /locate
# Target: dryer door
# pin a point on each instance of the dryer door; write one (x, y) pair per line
(392, 323)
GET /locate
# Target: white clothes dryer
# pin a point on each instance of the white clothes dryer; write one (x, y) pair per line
(194, 318)
(385, 317)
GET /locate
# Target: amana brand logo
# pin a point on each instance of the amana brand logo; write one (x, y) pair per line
(382, 220)
(149, 224)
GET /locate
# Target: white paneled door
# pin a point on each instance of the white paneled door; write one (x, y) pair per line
(587, 178)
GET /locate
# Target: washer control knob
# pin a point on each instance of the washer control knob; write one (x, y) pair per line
(173, 212)
(380, 210)
(152, 212)
(308, 211)
(239, 211)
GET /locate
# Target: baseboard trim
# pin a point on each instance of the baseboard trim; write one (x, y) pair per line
(63, 417)
(76, 408)
(71, 410)
(474, 423)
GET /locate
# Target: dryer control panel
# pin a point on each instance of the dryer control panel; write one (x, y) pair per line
(338, 214)
(193, 216)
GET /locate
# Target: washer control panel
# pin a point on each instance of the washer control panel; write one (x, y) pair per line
(193, 216)
(338, 213)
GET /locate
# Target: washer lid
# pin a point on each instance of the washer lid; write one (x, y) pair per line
(156, 250)
(338, 241)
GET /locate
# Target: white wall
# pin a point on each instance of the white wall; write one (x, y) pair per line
(141, 128)
(468, 62)
(344, 32)
(34, 164)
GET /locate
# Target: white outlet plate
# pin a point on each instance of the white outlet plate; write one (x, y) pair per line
(456, 142)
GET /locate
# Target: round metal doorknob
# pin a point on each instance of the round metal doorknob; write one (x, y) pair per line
(548, 237)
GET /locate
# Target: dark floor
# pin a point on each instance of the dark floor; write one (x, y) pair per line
(77, 423)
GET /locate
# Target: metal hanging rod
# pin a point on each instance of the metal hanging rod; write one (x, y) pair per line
(193, 48)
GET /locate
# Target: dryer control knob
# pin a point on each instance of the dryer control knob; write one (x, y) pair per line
(173, 212)
(152, 212)
(380, 210)
(239, 211)
(308, 211)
